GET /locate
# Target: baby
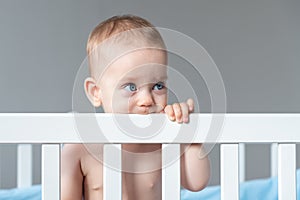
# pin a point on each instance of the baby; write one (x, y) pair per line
(128, 74)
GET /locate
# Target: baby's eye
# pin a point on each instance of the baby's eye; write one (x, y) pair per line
(159, 86)
(130, 87)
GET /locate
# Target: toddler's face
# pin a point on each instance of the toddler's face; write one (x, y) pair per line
(135, 83)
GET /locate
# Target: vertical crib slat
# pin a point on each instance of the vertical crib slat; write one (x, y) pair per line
(242, 164)
(171, 171)
(112, 175)
(274, 159)
(286, 171)
(50, 172)
(229, 172)
(24, 174)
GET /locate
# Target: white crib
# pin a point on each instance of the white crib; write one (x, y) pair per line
(52, 129)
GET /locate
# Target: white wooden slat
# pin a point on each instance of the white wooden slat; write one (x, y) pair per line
(171, 171)
(242, 162)
(50, 172)
(24, 173)
(274, 159)
(229, 172)
(286, 171)
(112, 174)
(256, 128)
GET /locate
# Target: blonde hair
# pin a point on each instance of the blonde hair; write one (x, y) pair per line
(137, 29)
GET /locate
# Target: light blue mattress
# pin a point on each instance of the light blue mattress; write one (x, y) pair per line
(265, 189)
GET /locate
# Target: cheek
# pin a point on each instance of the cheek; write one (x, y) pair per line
(125, 94)
(161, 98)
(120, 101)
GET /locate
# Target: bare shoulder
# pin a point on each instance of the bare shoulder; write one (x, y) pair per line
(82, 148)
(82, 153)
(71, 157)
(78, 148)
(73, 151)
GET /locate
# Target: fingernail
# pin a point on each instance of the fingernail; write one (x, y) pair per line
(186, 120)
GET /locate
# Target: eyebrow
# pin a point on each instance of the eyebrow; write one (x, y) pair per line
(134, 78)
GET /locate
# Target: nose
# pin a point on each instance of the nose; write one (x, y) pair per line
(145, 98)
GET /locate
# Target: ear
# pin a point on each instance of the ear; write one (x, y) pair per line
(92, 92)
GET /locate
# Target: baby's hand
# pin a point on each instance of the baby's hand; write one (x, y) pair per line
(180, 111)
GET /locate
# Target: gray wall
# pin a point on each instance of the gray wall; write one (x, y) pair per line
(255, 45)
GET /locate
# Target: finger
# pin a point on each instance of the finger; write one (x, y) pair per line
(185, 112)
(190, 103)
(161, 109)
(178, 112)
(170, 112)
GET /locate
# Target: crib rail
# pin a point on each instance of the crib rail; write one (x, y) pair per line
(51, 129)
(237, 128)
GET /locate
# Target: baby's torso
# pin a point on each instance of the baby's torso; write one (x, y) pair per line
(145, 184)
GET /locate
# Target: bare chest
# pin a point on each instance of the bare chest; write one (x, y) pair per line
(142, 186)
(134, 186)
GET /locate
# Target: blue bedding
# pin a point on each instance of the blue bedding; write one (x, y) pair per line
(30, 193)
(265, 189)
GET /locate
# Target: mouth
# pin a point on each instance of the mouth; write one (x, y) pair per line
(143, 111)
(149, 110)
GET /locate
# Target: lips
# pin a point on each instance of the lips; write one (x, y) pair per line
(149, 110)
(143, 111)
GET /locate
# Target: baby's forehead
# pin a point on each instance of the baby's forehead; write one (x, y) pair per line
(143, 57)
(132, 68)
(121, 55)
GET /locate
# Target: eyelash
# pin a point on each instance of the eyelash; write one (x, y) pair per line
(159, 84)
(129, 86)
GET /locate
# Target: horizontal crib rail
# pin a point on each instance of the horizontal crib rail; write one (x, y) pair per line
(67, 128)
(51, 129)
